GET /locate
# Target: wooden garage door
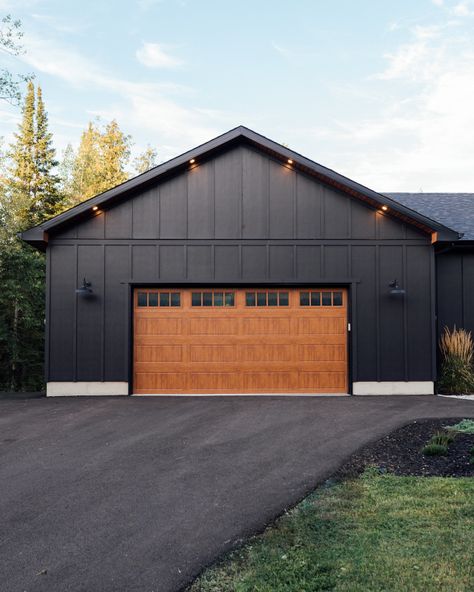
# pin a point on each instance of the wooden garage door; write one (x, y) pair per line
(240, 341)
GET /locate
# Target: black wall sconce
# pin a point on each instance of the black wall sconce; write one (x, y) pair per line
(85, 289)
(395, 289)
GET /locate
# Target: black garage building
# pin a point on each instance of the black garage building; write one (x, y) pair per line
(243, 267)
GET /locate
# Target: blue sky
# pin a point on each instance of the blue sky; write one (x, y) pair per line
(381, 91)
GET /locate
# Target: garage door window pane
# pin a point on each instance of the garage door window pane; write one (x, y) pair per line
(164, 299)
(229, 299)
(304, 298)
(283, 298)
(175, 299)
(261, 299)
(142, 298)
(337, 298)
(207, 299)
(250, 299)
(326, 298)
(218, 299)
(196, 299)
(153, 299)
(315, 298)
(272, 299)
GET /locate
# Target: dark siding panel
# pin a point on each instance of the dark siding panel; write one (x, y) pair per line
(118, 221)
(282, 201)
(363, 221)
(392, 347)
(254, 262)
(468, 291)
(66, 233)
(388, 228)
(173, 208)
(172, 262)
(145, 214)
(363, 268)
(255, 195)
(201, 201)
(227, 262)
(228, 195)
(415, 234)
(418, 290)
(92, 228)
(116, 312)
(308, 208)
(63, 285)
(336, 215)
(308, 262)
(336, 261)
(450, 289)
(144, 263)
(281, 262)
(199, 263)
(90, 314)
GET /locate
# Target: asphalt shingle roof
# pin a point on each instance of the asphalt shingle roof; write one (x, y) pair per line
(454, 210)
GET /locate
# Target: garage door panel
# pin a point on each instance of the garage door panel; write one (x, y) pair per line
(262, 347)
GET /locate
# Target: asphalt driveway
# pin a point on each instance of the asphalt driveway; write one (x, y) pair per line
(125, 494)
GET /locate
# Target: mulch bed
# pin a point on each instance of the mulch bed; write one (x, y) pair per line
(399, 453)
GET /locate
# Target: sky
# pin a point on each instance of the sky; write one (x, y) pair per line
(380, 91)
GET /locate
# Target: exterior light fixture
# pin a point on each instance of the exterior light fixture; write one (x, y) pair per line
(384, 208)
(192, 161)
(395, 289)
(85, 289)
(290, 161)
(95, 208)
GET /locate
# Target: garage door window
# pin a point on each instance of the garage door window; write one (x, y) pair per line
(270, 298)
(324, 298)
(212, 299)
(163, 299)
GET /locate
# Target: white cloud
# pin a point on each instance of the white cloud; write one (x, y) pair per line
(147, 108)
(154, 55)
(422, 135)
(462, 9)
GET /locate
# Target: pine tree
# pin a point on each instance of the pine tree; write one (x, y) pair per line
(48, 200)
(28, 195)
(146, 160)
(115, 153)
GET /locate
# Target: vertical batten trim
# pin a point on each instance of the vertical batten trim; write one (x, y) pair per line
(74, 343)
(405, 310)
(377, 307)
(103, 312)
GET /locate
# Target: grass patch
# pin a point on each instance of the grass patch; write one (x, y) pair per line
(376, 533)
(466, 426)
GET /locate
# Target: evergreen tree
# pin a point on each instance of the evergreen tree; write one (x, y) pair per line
(145, 161)
(101, 161)
(28, 195)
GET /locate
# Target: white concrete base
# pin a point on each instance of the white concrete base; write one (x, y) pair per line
(85, 389)
(393, 388)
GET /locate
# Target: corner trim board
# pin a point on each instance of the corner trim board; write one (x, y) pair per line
(394, 388)
(86, 389)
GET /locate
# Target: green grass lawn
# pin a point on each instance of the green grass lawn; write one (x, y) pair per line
(373, 534)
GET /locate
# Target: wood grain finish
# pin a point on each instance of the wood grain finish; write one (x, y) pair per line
(240, 349)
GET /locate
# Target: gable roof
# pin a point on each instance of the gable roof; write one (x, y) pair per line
(38, 236)
(456, 210)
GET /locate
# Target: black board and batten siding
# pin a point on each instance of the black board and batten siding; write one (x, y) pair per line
(239, 218)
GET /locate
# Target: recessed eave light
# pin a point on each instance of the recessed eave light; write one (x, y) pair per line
(290, 161)
(384, 208)
(95, 208)
(192, 161)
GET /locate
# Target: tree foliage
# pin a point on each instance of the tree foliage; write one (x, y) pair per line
(10, 44)
(100, 163)
(146, 160)
(28, 195)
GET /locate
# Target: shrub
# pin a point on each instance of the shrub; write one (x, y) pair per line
(442, 438)
(434, 450)
(465, 426)
(457, 374)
